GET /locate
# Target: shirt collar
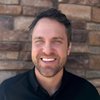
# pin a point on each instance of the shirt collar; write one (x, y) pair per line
(35, 84)
(33, 80)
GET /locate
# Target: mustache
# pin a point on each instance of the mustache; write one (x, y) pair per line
(52, 55)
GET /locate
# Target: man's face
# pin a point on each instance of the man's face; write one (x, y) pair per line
(49, 47)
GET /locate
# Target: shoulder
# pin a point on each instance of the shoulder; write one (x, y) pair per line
(77, 80)
(81, 86)
(14, 84)
(14, 81)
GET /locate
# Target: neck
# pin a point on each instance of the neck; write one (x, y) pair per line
(50, 84)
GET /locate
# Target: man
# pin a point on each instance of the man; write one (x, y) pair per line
(48, 80)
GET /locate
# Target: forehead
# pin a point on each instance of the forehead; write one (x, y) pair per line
(47, 26)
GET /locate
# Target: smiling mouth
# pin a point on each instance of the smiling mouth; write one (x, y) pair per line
(48, 59)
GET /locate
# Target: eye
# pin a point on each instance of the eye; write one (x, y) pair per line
(39, 41)
(57, 41)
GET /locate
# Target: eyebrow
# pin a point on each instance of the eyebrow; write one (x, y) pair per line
(37, 38)
(54, 38)
(58, 38)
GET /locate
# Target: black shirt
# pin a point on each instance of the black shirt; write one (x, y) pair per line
(26, 87)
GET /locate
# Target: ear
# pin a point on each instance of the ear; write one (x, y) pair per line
(69, 49)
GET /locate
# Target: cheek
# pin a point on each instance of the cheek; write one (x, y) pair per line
(34, 51)
(63, 53)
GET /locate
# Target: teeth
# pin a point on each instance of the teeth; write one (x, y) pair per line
(50, 59)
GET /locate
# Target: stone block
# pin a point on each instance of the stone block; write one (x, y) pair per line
(6, 22)
(77, 61)
(96, 14)
(8, 55)
(76, 24)
(82, 2)
(94, 38)
(9, 2)
(89, 2)
(27, 10)
(28, 3)
(15, 65)
(79, 36)
(94, 50)
(15, 35)
(79, 48)
(92, 74)
(93, 26)
(37, 3)
(22, 23)
(26, 46)
(10, 46)
(10, 9)
(76, 11)
(25, 56)
(94, 62)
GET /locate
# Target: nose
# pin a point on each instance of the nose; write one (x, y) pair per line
(47, 49)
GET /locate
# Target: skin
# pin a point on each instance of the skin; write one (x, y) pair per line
(49, 52)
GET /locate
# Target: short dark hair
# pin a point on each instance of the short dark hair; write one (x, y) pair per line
(57, 15)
